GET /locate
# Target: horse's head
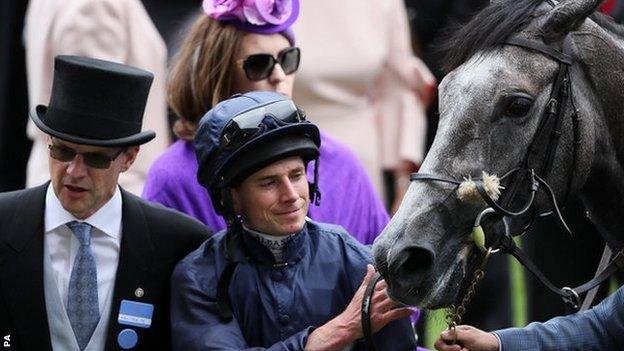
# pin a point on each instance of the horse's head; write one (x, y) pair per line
(491, 107)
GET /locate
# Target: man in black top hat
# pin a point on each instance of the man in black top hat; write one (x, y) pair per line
(84, 265)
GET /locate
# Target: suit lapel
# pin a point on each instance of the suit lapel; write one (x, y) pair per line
(135, 258)
(22, 271)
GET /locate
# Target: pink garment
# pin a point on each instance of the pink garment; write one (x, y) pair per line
(359, 81)
(114, 30)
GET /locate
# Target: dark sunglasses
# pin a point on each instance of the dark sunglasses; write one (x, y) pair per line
(247, 125)
(260, 66)
(92, 159)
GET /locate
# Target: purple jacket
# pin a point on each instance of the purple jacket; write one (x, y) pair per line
(348, 197)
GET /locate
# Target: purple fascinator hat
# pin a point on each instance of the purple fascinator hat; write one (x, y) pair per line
(256, 16)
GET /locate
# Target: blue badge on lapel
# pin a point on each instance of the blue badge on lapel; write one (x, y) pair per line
(127, 339)
(136, 314)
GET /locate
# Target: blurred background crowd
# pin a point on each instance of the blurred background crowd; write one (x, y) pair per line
(368, 76)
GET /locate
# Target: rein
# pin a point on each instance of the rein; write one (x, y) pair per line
(536, 165)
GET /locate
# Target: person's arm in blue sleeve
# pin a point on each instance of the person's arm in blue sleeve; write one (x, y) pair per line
(600, 328)
(196, 325)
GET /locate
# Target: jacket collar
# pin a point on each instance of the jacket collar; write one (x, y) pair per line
(28, 218)
(23, 271)
(137, 247)
(136, 244)
(294, 249)
(135, 259)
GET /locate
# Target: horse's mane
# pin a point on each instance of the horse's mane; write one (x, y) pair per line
(495, 23)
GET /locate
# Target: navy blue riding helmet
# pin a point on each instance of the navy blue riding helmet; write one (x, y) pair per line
(246, 133)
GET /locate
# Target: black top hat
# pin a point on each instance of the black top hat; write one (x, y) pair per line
(95, 102)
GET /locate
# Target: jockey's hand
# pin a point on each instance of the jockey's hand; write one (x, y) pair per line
(383, 309)
(345, 328)
(468, 339)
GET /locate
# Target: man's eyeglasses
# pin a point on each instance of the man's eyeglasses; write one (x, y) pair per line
(92, 159)
(259, 66)
(247, 125)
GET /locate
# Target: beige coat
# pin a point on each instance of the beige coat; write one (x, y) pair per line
(358, 79)
(114, 30)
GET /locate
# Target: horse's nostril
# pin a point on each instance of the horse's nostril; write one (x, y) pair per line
(412, 264)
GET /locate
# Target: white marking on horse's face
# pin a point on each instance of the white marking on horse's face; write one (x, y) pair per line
(477, 71)
(470, 87)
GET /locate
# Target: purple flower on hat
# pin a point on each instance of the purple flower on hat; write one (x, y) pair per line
(257, 16)
(261, 12)
(224, 9)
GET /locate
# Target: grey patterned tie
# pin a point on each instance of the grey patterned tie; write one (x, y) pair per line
(82, 298)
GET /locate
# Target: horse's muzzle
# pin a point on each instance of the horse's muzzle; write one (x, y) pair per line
(409, 267)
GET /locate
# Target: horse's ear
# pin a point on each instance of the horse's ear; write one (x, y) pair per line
(567, 16)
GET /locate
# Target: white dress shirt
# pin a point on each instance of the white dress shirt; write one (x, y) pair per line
(62, 244)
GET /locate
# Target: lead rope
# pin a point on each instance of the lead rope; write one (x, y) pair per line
(454, 314)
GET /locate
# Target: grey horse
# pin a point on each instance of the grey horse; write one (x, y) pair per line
(491, 103)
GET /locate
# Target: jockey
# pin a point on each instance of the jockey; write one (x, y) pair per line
(273, 278)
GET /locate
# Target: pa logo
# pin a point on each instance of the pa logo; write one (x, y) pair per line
(6, 341)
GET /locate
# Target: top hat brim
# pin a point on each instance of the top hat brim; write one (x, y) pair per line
(38, 117)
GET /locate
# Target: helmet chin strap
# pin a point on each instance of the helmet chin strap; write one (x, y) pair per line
(234, 226)
(228, 205)
(315, 193)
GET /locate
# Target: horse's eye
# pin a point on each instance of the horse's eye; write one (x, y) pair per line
(518, 107)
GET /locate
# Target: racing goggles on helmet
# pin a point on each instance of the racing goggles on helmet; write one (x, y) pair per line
(246, 126)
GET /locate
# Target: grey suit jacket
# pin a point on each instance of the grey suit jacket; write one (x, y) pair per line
(154, 240)
(600, 328)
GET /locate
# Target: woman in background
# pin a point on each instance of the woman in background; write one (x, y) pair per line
(235, 48)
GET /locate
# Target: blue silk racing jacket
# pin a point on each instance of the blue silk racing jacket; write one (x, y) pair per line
(275, 306)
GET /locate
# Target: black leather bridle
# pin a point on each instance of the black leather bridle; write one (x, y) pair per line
(530, 173)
